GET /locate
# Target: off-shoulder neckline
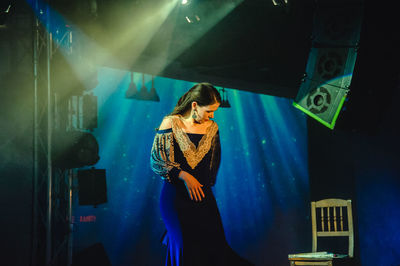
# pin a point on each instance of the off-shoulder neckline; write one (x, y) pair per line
(167, 130)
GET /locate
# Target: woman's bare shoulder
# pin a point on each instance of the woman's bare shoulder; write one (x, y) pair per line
(167, 122)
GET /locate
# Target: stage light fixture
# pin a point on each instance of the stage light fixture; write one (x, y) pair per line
(280, 2)
(89, 111)
(225, 102)
(191, 14)
(4, 14)
(188, 19)
(74, 149)
(143, 94)
(132, 91)
(193, 18)
(153, 93)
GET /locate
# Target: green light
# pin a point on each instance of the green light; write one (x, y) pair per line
(330, 125)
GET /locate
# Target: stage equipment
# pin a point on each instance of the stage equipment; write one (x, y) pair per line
(92, 255)
(74, 149)
(279, 2)
(153, 96)
(331, 61)
(4, 13)
(190, 10)
(143, 94)
(225, 102)
(132, 91)
(92, 187)
(89, 111)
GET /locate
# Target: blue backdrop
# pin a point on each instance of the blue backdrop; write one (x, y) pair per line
(262, 187)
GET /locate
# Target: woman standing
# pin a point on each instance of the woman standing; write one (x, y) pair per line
(186, 153)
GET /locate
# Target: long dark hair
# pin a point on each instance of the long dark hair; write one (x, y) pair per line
(203, 93)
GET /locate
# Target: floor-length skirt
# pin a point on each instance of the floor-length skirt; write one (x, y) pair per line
(195, 234)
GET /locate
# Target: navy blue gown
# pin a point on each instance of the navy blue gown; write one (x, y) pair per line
(195, 234)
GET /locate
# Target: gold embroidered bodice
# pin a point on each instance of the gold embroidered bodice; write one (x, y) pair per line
(193, 154)
(162, 159)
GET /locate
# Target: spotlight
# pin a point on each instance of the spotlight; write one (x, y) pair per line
(280, 2)
(193, 18)
(4, 14)
(132, 91)
(153, 93)
(190, 11)
(188, 19)
(225, 102)
(89, 111)
(75, 149)
(143, 94)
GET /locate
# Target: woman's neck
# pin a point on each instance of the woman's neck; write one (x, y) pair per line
(187, 118)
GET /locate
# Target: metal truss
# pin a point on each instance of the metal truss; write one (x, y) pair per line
(52, 187)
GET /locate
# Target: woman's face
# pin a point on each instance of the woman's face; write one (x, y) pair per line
(205, 113)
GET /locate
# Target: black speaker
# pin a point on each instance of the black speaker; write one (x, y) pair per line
(89, 111)
(331, 61)
(92, 186)
(93, 255)
(337, 24)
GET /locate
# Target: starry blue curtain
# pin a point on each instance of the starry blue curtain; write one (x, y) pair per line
(262, 187)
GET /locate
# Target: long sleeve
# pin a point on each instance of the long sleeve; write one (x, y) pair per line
(215, 158)
(162, 156)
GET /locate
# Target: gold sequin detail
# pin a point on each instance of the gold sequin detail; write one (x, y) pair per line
(192, 154)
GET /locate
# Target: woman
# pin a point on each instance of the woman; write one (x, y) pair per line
(186, 154)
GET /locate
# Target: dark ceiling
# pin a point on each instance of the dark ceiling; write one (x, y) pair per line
(256, 47)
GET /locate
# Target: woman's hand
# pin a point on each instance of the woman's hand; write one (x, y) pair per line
(192, 185)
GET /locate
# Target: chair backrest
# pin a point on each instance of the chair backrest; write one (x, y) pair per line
(332, 218)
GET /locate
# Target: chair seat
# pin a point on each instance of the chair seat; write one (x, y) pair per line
(316, 258)
(317, 255)
(330, 218)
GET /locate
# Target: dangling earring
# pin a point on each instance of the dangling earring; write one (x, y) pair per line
(194, 115)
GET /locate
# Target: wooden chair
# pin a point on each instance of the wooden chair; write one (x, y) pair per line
(330, 218)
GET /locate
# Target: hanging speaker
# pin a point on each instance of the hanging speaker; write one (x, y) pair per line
(337, 25)
(330, 65)
(325, 86)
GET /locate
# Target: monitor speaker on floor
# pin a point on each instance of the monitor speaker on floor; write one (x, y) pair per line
(93, 255)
